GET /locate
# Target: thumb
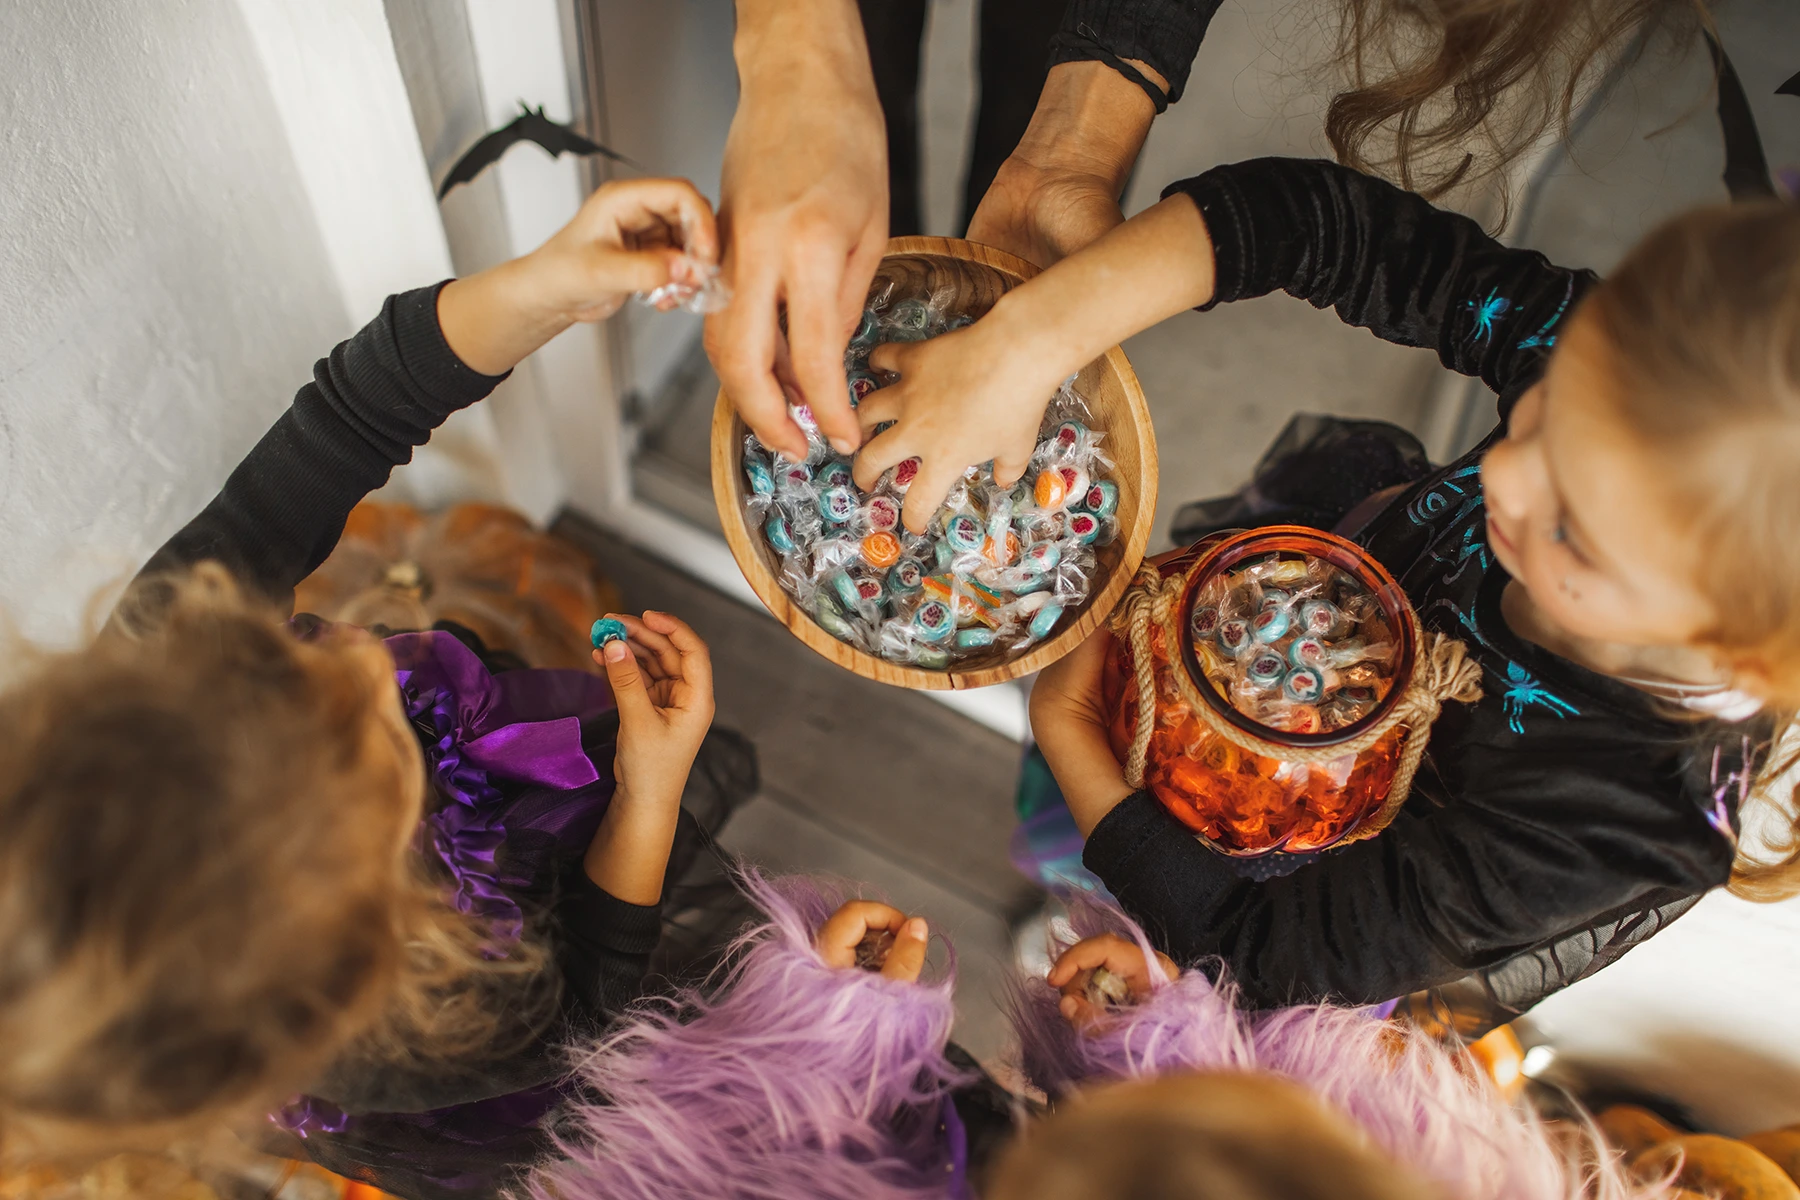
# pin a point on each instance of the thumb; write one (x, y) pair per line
(629, 693)
(906, 957)
(635, 270)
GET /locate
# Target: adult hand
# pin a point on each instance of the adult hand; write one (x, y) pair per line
(1069, 723)
(1059, 190)
(1120, 956)
(838, 939)
(803, 214)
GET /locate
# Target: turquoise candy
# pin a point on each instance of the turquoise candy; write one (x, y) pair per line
(834, 474)
(1084, 527)
(866, 331)
(943, 552)
(1266, 668)
(1304, 685)
(908, 320)
(837, 504)
(1102, 498)
(1321, 618)
(906, 577)
(964, 532)
(844, 588)
(934, 622)
(607, 630)
(1045, 620)
(1276, 598)
(1269, 625)
(1234, 635)
(762, 480)
(1307, 651)
(1040, 557)
(781, 538)
(974, 638)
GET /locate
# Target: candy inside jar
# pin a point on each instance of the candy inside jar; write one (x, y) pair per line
(998, 569)
(1286, 644)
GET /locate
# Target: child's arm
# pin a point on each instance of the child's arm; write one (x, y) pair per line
(429, 353)
(1384, 258)
(662, 682)
(979, 393)
(1547, 847)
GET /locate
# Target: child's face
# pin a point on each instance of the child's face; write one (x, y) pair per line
(1576, 513)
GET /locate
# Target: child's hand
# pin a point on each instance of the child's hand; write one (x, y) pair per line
(1069, 723)
(847, 928)
(662, 683)
(1122, 958)
(963, 398)
(631, 235)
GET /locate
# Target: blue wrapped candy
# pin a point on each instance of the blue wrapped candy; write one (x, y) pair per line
(1102, 498)
(761, 479)
(833, 474)
(1045, 620)
(1303, 685)
(844, 588)
(974, 638)
(907, 577)
(1266, 668)
(605, 630)
(837, 504)
(933, 621)
(1270, 625)
(964, 532)
(779, 535)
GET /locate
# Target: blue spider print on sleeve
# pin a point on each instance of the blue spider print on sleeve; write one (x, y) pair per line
(1523, 691)
(1486, 313)
(1451, 489)
(1543, 337)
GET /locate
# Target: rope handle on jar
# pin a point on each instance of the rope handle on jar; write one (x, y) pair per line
(1444, 671)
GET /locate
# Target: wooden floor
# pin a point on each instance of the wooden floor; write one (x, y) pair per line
(862, 780)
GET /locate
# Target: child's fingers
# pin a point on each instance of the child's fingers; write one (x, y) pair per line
(1010, 464)
(838, 937)
(656, 642)
(889, 356)
(1103, 950)
(694, 658)
(882, 404)
(878, 454)
(906, 957)
(935, 479)
(629, 692)
(638, 203)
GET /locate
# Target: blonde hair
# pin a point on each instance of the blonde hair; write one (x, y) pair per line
(1703, 321)
(208, 892)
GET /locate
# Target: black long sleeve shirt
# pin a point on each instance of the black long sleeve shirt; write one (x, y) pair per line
(371, 401)
(1555, 821)
(1163, 33)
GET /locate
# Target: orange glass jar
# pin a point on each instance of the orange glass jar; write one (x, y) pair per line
(1244, 786)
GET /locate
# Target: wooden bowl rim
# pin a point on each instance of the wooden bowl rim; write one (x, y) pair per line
(728, 431)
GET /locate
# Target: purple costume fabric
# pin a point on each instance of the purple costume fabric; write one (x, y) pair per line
(517, 799)
(799, 1080)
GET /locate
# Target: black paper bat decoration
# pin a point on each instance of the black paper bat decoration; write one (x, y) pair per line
(530, 126)
(1791, 87)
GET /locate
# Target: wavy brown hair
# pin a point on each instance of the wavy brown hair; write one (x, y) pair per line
(1703, 321)
(1440, 94)
(209, 891)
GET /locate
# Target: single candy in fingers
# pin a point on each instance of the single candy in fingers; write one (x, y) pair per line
(607, 630)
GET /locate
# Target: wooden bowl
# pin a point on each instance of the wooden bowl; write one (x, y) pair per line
(977, 276)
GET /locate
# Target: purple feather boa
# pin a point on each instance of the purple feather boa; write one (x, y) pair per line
(1411, 1096)
(798, 1080)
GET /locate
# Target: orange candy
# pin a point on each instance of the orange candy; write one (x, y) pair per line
(1002, 554)
(881, 549)
(1050, 490)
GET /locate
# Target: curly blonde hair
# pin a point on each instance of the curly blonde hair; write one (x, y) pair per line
(209, 891)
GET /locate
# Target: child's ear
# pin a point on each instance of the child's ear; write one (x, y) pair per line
(1753, 676)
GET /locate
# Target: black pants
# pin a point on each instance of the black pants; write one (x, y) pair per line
(1014, 44)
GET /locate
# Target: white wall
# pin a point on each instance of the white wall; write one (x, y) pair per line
(200, 198)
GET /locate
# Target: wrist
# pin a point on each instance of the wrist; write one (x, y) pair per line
(782, 44)
(1090, 120)
(1038, 339)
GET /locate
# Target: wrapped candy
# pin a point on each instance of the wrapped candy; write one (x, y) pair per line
(997, 568)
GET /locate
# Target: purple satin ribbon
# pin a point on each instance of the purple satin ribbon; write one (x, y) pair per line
(475, 728)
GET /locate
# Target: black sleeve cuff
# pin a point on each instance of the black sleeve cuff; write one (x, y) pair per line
(1166, 34)
(423, 353)
(1227, 206)
(1122, 833)
(605, 920)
